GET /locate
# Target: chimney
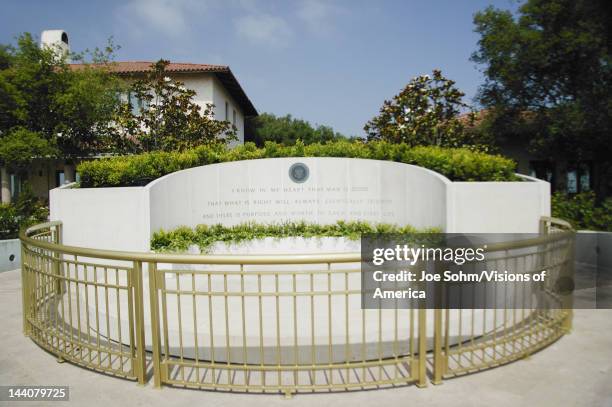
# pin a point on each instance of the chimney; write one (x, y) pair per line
(56, 40)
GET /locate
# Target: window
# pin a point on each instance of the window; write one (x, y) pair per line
(15, 184)
(578, 177)
(234, 117)
(226, 111)
(59, 178)
(135, 103)
(544, 170)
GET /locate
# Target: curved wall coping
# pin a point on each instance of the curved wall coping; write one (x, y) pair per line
(427, 171)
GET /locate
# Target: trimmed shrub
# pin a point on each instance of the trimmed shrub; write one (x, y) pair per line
(204, 236)
(458, 164)
(582, 211)
(26, 211)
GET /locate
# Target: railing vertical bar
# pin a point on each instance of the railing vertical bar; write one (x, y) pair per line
(108, 332)
(155, 333)
(25, 306)
(278, 343)
(243, 315)
(195, 326)
(347, 344)
(139, 320)
(211, 330)
(78, 309)
(98, 351)
(179, 315)
(505, 347)
(312, 328)
(329, 325)
(484, 319)
(68, 292)
(120, 342)
(228, 355)
(60, 292)
(472, 334)
(131, 319)
(161, 285)
(296, 361)
(422, 375)
(261, 343)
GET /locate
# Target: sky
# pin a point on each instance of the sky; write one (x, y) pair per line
(328, 62)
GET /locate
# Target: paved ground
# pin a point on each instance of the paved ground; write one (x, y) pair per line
(575, 371)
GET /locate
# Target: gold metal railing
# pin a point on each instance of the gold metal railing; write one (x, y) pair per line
(284, 323)
(523, 322)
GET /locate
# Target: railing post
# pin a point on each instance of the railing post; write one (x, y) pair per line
(543, 226)
(57, 269)
(141, 361)
(439, 357)
(569, 302)
(24, 292)
(422, 362)
(155, 333)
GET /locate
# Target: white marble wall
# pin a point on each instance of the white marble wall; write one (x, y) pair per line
(262, 191)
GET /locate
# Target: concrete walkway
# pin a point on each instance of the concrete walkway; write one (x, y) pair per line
(575, 371)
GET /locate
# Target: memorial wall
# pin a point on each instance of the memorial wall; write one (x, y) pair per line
(313, 189)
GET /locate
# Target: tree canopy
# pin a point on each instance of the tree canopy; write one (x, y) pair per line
(548, 76)
(287, 130)
(48, 109)
(166, 116)
(426, 112)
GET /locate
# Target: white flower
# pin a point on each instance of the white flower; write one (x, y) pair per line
(407, 110)
(167, 79)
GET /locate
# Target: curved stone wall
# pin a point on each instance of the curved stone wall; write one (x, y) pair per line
(313, 189)
(318, 190)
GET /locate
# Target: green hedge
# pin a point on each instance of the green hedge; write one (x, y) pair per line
(582, 211)
(458, 164)
(26, 211)
(204, 236)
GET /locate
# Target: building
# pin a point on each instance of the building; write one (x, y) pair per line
(567, 176)
(564, 175)
(214, 84)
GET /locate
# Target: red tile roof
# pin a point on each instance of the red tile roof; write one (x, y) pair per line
(223, 73)
(127, 67)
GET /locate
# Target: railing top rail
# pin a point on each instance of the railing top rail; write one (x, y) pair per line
(557, 222)
(252, 259)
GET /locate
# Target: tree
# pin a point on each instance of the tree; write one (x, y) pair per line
(548, 75)
(26, 77)
(287, 130)
(425, 112)
(17, 149)
(48, 109)
(87, 107)
(167, 118)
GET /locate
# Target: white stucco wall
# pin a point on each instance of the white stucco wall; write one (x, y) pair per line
(10, 254)
(509, 207)
(210, 90)
(102, 218)
(220, 96)
(202, 84)
(261, 190)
